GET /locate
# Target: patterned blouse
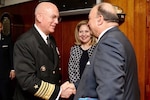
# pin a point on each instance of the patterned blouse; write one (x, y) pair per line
(74, 62)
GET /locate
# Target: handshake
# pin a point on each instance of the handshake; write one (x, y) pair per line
(67, 89)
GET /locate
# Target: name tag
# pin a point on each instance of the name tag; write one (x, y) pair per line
(4, 46)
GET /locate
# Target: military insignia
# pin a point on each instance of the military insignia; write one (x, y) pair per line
(4, 46)
(36, 86)
(43, 68)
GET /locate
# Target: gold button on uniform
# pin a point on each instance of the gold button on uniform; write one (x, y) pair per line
(43, 68)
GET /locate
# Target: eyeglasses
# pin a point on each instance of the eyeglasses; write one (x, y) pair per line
(53, 17)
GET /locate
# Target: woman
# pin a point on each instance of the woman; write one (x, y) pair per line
(81, 51)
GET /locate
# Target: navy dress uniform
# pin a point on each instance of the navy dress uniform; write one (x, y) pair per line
(6, 65)
(37, 67)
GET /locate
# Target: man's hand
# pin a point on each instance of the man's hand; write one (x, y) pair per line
(67, 90)
(12, 74)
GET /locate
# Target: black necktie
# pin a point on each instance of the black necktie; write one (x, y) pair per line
(49, 42)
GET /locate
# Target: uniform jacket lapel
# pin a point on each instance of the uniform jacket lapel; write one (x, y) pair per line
(42, 45)
(56, 58)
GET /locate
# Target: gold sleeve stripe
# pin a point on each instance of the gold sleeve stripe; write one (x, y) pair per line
(49, 91)
(45, 91)
(41, 89)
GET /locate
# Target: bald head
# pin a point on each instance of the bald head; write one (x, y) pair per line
(107, 7)
(101, 17)
(44, 7)
(46, 17)
(107, 10)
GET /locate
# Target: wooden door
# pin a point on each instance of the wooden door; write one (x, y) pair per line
(147, 96)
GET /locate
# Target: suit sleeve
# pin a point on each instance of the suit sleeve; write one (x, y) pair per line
(109, 70)
(25, 68)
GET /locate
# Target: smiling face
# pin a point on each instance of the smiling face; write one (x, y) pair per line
(50, 20)
(84, 34)
(47, 16)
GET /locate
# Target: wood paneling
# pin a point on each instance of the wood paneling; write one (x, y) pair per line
(26, 13)
(148, 53)
(134, 28)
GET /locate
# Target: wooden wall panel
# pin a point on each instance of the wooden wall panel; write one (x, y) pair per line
(26, 13)
(147, 76)
(140, 43)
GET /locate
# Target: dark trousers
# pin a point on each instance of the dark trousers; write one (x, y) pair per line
(6, 89)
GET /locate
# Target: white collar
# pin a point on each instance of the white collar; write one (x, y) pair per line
(104, 32)
(41, 33)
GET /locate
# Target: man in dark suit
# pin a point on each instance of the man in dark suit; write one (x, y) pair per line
(36, 59)
(111, 72)
(7, 72)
